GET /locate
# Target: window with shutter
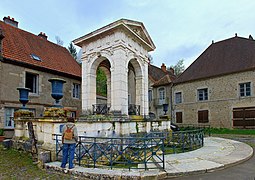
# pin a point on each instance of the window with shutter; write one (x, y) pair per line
(203, 116)
(178, 117)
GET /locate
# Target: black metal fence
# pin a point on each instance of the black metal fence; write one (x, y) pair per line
(141, 151)
(118, 152)
(100, 109)
(133, 109)
(205, 127)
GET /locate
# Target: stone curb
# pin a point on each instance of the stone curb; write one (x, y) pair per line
(97, 173)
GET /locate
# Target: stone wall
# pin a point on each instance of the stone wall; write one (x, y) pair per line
(13, 76)
(45, 128)
(223, 96)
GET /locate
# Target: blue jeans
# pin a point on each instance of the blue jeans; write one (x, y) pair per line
(68, 149)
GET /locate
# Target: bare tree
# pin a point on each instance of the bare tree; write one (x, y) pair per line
(59, 41)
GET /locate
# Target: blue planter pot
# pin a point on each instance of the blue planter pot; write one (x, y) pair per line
(165, 108)
(57, 90)
(23, 96)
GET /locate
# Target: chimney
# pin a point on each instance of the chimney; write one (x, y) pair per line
(11, 21)
(43, 35)
(171, 70)
(163, 67)
(1, 44)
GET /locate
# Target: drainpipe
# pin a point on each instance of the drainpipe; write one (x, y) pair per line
(171, 102)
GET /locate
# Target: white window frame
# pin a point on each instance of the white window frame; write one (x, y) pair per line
(35, 89)
(161, 95)
(247, 91)
(178, 99)
(150, 95)
(76, 91)
(8, 118)
(204, 93)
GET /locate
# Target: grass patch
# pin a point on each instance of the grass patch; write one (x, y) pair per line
(19, 165)
(232, 131)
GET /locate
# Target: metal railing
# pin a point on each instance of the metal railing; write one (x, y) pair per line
(183, 141)
(100, 109)
(178, 141)
(205, 127)
(140, 151)
(118, 152)
(133, 109)
(160, 102)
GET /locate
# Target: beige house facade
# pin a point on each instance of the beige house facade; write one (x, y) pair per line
(218, 88)
(160, 90)
(222, 99)
(28, 60)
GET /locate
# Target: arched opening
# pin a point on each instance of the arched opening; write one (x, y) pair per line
(134, 87)
(103, 86)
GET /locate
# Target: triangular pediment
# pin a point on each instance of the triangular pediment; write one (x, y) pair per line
(134, 27)
(139, 29)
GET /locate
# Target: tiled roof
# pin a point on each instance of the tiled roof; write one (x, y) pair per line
(232, 55)
(165, 80)
(18, 45)
(160, 77)
(155, 73)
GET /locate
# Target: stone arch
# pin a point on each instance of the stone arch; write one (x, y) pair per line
(135, 87)
(97, 59)
(90, 67)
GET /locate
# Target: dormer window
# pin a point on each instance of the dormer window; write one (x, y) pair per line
(35, 57)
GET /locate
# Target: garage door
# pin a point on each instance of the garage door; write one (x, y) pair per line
(244, 117)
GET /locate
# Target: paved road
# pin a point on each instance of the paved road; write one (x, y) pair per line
(243, 171)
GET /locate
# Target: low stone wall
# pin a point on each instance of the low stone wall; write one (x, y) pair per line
(45, 128)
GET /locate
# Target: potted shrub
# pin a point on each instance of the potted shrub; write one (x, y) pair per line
(1, 135)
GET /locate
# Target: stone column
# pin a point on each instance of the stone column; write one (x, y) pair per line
(88, 86)
(108, 83)
(139, 91)
(145, 90)
(119, 84)
(19, 128)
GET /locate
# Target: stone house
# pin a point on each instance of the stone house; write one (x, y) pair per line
(160, 87)
(28, 60)
(218, 88)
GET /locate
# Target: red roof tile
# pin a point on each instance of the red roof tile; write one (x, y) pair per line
(232, 55)
(160, 77)
(18, 45)
(165, 80)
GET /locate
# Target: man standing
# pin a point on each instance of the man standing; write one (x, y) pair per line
(69, 139)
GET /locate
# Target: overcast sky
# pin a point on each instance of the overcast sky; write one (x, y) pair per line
(179, 29)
